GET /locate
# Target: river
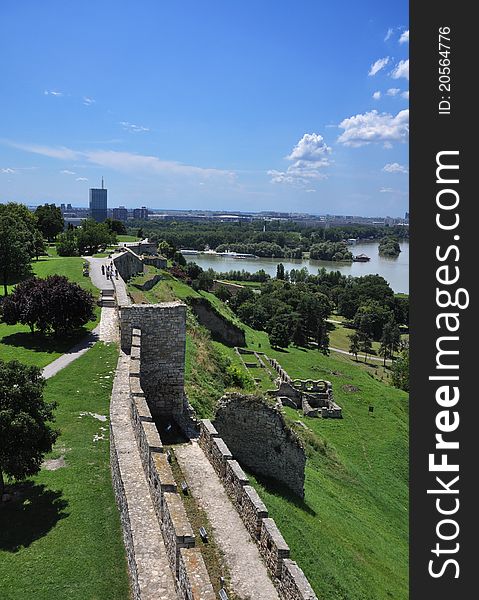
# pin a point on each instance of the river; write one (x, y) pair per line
(394, 270)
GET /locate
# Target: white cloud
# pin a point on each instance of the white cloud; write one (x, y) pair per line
(309, 156)
(7, 170)
(88, 101)
(125, 161)
(389, 34)
(405, 95)
(393, 91)
(375, 127)
(395, 168)
(404, 39)
(377, 95)
(401, 70)
(378, 65)
(52, 93)
(81, 179)
(67, 172)
(132, 128)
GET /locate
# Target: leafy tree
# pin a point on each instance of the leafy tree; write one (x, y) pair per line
(48, 304)
(390, 339)
(354, 345)
(15, 242)
(166, 249)
(365, 344)
(223, 293)
(400, 371)
(38, 244)
(26, 305)
(279, 335)
(25, 431)
(193, 270)
(115, 226)
(92, 236)
(67, 244)
(49, 220)
(205, 280)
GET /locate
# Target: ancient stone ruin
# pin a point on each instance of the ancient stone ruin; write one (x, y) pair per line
(314, 397)
(260, 439)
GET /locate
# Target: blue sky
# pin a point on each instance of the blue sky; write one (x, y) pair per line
(224, 105)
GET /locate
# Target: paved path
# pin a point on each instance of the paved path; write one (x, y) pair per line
(249, 577)
(65, 359)
(96, 276)
(360, 356)
(155, 578)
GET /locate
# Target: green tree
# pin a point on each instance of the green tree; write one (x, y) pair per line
(92, 236)
(15, 243)
(49, 220)
(115, 226)
(67, 243)
(354, 345)
(400, 371)
(279, 336)
(38, 243)
(365, 344)
(25, 431)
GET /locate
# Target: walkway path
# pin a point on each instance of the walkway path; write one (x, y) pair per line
(155, 578)
(249, 578)
(65, 359)
(97, 278)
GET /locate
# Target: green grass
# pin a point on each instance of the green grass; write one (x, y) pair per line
(127, 238)
(61, 538)
(350, 536)
(16, 341)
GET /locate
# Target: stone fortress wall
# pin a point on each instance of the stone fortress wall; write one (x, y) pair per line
(260, 439)
(153, 343)
(288, 576)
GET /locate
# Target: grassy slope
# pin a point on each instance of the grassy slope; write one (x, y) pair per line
(64, 541)
(16, 340)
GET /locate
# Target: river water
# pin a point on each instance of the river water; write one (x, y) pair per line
(394, 270)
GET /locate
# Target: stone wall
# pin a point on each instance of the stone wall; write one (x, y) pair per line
(258, 436)
(287, 576)
(222, 330)
(128, 264)
(162, 353)
(185, 560)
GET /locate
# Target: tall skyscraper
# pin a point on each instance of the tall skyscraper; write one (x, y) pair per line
(98, 203)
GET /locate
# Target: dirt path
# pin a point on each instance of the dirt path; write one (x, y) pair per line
(249, 577)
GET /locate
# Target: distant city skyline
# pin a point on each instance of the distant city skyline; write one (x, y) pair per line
(301, 107)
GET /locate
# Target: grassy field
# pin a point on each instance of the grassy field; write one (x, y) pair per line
(17, 342)
(350, 535)
(60, 536)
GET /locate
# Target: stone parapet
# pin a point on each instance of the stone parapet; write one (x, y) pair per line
(176, 529)
(273, 547)
(220, 453)
(193, 580)
(294, 585)
(234, 481)
(287, 576)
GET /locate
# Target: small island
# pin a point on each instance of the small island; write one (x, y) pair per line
(337, 251)
(389, 247)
